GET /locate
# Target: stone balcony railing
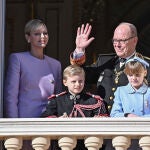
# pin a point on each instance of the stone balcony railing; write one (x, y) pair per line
(67, 130)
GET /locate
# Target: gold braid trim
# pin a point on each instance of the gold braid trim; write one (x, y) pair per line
(78, 61)
(146, 57)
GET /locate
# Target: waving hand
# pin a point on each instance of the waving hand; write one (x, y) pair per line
(82, 38)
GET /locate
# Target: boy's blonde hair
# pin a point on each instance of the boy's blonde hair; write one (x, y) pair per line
(73, 70)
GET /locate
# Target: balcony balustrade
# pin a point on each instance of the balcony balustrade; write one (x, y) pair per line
(68, 130)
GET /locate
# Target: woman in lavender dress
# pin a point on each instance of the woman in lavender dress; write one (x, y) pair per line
(31, 76)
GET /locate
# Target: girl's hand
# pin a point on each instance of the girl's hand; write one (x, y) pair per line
(132, 115)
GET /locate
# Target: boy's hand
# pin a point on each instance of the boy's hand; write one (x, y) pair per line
(64, 115)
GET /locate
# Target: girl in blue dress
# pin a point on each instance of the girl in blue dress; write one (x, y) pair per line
(133, 100)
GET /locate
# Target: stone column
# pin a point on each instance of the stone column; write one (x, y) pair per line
(121, 142)
(93, 143)
(67, 143)
(13, 143)
(144, 142)
(40, 143)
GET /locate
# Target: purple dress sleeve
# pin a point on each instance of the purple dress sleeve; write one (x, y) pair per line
(12, 87)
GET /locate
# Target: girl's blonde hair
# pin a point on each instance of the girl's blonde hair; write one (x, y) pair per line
(73, 70)
(135, 67)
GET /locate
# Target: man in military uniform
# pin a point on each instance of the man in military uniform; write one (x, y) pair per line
(107, 72)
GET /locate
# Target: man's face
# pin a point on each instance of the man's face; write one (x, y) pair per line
(123, 41)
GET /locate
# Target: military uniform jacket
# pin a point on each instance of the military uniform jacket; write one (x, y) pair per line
(82, 105)
(108, 75)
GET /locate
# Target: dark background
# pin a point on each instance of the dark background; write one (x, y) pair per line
(62, 18)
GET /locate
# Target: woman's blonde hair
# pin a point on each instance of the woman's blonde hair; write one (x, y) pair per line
(32, 25)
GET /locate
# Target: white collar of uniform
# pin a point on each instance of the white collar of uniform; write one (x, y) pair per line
(130, 56)
(126, 59)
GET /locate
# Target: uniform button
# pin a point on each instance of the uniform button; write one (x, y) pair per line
(113, 89)
(116, 81)
(111, 97)
(109, 107)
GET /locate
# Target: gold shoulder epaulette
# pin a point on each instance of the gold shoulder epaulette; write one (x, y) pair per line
(109, 54)
(57, 95)
(145, 57)
(97, 97)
